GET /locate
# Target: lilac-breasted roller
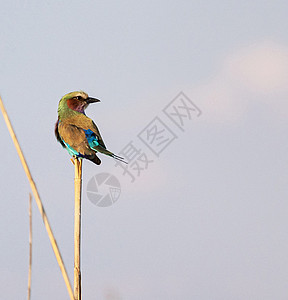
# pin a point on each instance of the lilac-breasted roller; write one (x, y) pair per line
(78, 133)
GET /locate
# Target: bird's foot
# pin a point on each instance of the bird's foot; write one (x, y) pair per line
(73, 158)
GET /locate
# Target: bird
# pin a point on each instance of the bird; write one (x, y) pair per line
(78, 133)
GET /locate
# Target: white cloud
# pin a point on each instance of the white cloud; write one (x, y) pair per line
(262, 68)
(253, 73)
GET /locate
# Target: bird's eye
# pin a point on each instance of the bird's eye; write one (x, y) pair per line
(78, 97)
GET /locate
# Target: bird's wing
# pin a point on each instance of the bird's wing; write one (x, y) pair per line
(95, 129)
(75, 137)
(86, 140)
(86, 124)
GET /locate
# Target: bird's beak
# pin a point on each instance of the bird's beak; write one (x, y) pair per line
(91, 100)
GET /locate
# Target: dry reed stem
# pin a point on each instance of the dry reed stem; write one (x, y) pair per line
(38, 201)
(77, 228)
(30, 247)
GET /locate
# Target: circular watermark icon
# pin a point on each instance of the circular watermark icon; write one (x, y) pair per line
(103, 189)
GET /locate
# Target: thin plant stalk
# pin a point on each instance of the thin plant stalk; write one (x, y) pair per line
(30, 247)
(38, 201)
(77, 228)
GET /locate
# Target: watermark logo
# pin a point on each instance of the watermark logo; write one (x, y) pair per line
(103, 189)
(157, 136)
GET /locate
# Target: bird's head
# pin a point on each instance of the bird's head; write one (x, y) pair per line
(76, 101)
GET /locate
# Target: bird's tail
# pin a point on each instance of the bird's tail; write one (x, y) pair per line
(107, 152)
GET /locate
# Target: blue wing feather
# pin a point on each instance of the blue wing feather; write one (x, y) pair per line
(91, 138)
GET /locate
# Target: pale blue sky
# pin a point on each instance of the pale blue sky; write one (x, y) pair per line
(208, 218)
